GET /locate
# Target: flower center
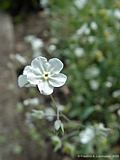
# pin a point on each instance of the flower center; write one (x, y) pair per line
(45, 76)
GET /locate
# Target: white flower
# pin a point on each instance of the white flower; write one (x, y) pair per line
(94, 85)
(79, 52)
(31, 101)
(50, 113)
(43, 74)
(91, 132)
(52, 48)
(118, 112)
(36, 44)
(93, 25)
(92, 72)
(101, 130)
(116, 94)
(44, 3)
(20, 59)
(84, 29)
(87, 135)
(108, 84)
(80, 4)
(117, 13)
(34, 41)
(91, 39)
(29, 38)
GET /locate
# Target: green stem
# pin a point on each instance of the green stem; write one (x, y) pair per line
(72, 134)
(65, 117)
(53, 100)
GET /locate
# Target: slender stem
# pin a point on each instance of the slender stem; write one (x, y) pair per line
(53, 100)
(70, 135)
(65, 117)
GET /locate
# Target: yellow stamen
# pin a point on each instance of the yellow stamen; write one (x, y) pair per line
(45, 76)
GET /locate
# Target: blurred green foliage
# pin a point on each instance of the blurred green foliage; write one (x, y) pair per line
(88, 41)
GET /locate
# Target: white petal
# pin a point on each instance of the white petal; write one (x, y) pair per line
(58, 80)
(55, 65)
(39, 63)
(33, 78)
(22, 80)
(29, 69)
(45, 88)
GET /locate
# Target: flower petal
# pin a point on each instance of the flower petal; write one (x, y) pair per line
(29, 69)
(22, 80)
(45, 88)
(58, 80)
(55, 65)
(33, 78)
(39, 63)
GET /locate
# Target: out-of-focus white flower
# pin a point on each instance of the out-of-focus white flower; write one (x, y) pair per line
(20, 59)
(91, 39)
(118, 112)
(108, 84)
(36, 44)
(92, 72)
(114, 107)
(49, 114)
(101, 130)
(94, 84)
(93, 25)
(29, 38)
(80, 4)
(43, 74)
(79, 52)
(52, 48)
(44, 3)
(101, 126)
(117, 14)
(116, 94)
(84, 29)
(31, 101)
(87, 135)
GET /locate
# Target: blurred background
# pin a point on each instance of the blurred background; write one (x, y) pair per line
(85, 36)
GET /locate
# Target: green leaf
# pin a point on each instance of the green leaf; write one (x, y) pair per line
(56, 142)
(39, 114)
(87, 112)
